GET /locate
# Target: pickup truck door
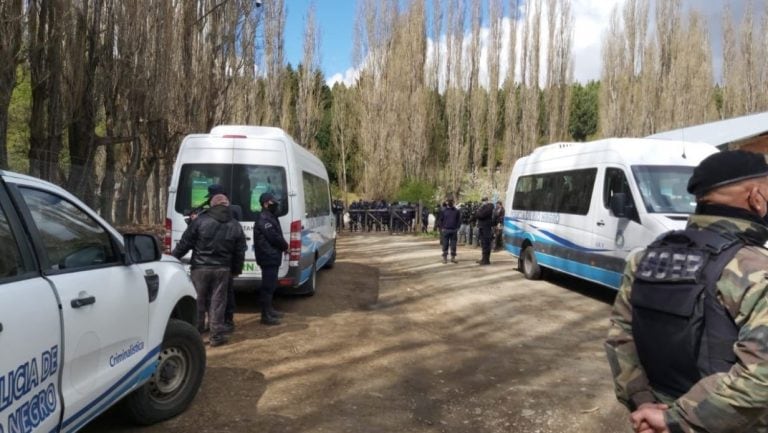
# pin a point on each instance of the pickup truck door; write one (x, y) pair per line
(83, 261)
(30, 335)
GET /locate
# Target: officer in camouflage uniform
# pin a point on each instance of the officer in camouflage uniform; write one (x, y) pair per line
(731, 189)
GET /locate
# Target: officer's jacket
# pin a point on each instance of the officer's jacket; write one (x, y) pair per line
(216, 240)
(484, 216)
(734, 401)
(268, 241)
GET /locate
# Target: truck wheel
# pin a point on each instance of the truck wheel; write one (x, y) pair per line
(528, 264)
(175, 382)
(308, 288)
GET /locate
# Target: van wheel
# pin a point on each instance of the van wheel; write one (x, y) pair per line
(528, 264)
(308, 288)
(175, 382)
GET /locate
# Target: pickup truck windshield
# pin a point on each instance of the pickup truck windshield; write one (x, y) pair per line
(663, 188)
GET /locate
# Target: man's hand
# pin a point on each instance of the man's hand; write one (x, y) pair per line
(649, 418)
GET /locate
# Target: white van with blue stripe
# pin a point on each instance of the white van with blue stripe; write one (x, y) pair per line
(581, 208)
(88, 317)
(248, 161)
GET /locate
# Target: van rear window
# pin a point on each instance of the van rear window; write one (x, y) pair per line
(244, 183)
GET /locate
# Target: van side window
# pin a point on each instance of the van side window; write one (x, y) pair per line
(10, 257)
(560, 192)
(317, 200)
(72, 239)
(615, 182)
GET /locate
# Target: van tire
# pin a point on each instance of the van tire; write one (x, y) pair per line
(308, 288)
(182, 357)
(528, 264)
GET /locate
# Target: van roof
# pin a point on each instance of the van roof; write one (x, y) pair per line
(634, 150)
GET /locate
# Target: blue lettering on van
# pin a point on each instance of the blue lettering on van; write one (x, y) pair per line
(22, 380)
(29, 415)
(546, 217)
(19, 381)
(124, 354)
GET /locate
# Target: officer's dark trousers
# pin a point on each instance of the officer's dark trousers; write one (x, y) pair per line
(229, 313)
(449, 238)
(267, 292)
(486, 235)
(211, 283)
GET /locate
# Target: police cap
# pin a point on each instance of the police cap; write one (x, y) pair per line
(724, 168)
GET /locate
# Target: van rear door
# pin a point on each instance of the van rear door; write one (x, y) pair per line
(261, 165)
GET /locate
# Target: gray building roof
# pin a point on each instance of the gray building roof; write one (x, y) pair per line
(721, 132)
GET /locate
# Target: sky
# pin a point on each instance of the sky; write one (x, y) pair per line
(335, 19)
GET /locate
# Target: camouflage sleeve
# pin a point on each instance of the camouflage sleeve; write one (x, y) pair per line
(736, 401)
(630, 382)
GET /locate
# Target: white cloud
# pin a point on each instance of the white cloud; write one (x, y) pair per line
(590, 21)
(348, 78)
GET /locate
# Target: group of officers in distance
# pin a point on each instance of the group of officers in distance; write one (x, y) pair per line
(688, 338)
(453, 221)
(218, 246)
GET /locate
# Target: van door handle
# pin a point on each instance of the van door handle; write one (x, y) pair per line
(1, 327)
(601, 223)
(82, 302)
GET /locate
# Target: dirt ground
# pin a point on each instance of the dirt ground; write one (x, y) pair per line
(394, 341)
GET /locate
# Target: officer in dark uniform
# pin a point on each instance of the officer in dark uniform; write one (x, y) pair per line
(484, 218)
(269, 246)
(218, 249)
(237, 214)
(687, 344)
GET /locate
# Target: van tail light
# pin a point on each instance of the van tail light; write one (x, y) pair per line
(295, 244)
(167, 238)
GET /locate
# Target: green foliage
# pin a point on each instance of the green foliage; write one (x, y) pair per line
(18, 123)
(416, 190)
(584, 110)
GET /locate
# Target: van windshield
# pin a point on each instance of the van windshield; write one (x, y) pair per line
(663, 188)
(244, 183)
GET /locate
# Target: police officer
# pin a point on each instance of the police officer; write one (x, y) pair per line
(484, 218)
(237, 214)
(269, 246)
(450, 220)
(218, 249)
(688, 342)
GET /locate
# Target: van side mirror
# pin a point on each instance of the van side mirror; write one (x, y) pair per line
(619, 206)
(142, 248)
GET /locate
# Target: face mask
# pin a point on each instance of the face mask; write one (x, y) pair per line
(272, 207)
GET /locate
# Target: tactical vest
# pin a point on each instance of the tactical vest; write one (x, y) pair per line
(681, 331)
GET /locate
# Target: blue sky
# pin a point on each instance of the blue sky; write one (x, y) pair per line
(335, 19)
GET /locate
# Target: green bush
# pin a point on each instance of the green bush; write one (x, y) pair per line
(415, 190)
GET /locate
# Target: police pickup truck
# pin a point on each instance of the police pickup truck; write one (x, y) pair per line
(88, 317)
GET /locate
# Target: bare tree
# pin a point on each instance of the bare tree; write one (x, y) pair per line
(45, 35)
(11, 26)
(308, 101)
(495, 12)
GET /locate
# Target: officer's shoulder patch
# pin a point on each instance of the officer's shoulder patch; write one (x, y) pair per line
(267, 225)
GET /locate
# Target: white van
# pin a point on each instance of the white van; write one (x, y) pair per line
(580, 208)
(249, 161)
